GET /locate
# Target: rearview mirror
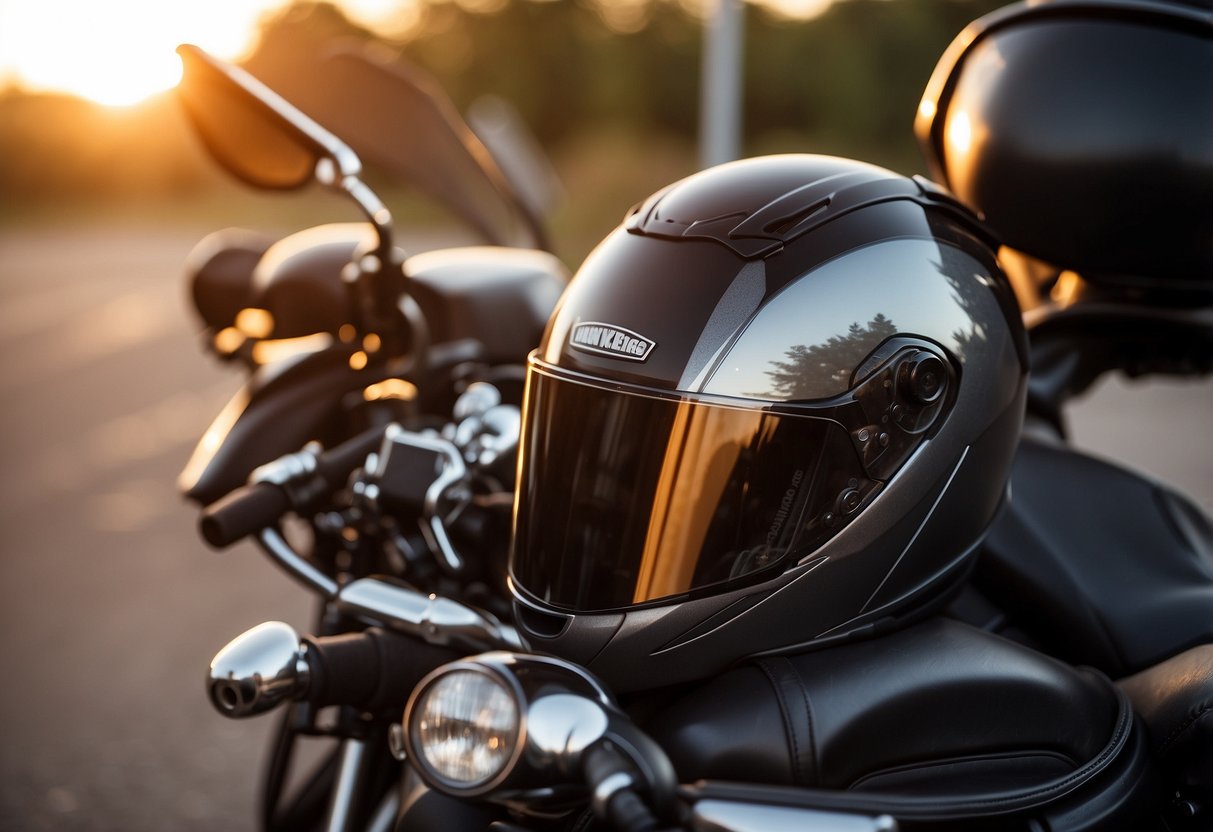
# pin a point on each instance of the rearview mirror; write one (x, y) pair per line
(264, 140)
(256, 134)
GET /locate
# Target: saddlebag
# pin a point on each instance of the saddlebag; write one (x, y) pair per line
(938, 725)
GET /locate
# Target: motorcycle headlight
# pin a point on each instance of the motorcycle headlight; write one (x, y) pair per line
(502, 725)
(465, 728)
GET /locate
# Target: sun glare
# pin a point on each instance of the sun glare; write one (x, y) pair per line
(119, 52)
(116, 52)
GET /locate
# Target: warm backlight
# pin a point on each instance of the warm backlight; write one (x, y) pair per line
(116, 52)
(119, 52)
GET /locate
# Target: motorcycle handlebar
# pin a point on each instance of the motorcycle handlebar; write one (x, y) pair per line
(246, 510)
(373, 670)
(285, 484)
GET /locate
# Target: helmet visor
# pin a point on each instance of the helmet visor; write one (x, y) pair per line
(627, 496)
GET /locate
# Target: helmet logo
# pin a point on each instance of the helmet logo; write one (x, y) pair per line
(608, 339)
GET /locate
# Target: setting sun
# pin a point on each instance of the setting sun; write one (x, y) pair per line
(119, 52)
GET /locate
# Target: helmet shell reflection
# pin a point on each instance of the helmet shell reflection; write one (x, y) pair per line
(750, 428)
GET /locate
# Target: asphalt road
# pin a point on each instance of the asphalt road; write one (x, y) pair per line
(111, 608)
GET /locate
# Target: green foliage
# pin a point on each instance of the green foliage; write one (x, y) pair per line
(616, 79)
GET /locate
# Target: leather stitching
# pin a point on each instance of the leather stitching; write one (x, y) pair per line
(1112, 749)
(808, 713)
(784, 713)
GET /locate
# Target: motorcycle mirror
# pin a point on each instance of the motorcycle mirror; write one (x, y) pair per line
(263, 139)
(253, 132)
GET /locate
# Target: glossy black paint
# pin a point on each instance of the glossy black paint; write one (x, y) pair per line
(281, 408)
(464, 294)
(299, 279)
(501, 297)
(824, 292)
(1083, 131)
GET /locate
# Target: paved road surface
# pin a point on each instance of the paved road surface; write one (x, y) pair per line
(111, 609)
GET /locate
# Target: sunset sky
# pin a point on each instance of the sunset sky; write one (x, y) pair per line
(118, 52)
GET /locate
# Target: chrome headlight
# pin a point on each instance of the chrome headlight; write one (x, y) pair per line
(465, 727)
(503, 722)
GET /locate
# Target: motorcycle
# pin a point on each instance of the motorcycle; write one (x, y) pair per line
(406, 521)
(346, 342)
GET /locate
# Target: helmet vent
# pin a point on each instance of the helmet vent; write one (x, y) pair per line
(541, 624)
(783, 225)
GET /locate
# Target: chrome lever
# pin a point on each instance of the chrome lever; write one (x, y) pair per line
(439, 621)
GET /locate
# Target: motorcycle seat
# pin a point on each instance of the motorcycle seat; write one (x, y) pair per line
(1175, 698)
(940, 722)
(1099, 565)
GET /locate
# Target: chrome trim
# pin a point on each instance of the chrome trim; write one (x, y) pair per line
(732, 816)
(345, 790)
(438, 620)
(286, 469)
(295, 473)
(370, 204)
(385, 816)
(257, 670)
(510, 683)
(395, 742)
(476, 400)
(607, 789)
(562, 726)
(554, 730)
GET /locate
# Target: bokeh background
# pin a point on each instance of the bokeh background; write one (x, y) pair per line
(110, 608)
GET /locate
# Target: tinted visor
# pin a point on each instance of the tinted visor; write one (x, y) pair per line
(626, 496)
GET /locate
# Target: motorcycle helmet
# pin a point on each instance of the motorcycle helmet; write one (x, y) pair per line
(1082, 131)
(774, 409)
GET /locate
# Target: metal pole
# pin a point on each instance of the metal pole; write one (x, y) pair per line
(721, 76)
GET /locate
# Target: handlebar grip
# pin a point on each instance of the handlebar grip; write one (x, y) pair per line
(246, 510)
(251, 508)
(373, 670)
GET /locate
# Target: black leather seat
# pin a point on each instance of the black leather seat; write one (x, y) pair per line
(939, 723)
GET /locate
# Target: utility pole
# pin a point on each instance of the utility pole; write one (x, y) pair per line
(721, 82)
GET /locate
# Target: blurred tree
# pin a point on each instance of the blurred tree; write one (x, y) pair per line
(584, 74)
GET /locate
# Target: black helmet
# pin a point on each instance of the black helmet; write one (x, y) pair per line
(1083, 131)
(776, 407)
